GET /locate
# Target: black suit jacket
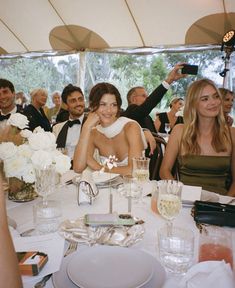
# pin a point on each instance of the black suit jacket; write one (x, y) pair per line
(36, 118)
(140, 113)
(62, 136)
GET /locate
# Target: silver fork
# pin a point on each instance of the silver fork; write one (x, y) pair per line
(72, 248)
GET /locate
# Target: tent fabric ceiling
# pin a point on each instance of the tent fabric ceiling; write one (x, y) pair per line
(77, 25)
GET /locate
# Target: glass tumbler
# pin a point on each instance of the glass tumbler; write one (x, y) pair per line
(215, 243)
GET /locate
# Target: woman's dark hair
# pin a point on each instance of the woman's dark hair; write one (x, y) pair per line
(99, 90)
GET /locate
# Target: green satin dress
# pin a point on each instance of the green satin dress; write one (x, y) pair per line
(212, 173)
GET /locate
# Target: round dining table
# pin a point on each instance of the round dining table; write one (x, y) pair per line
(22, 213)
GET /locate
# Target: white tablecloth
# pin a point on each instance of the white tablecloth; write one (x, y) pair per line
(23, 215)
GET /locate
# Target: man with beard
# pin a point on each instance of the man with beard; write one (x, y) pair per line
(68, 132)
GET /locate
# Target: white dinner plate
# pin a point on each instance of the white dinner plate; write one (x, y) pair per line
(61, 280)
(103, 177)
(110, 266)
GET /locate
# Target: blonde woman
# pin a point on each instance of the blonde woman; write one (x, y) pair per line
(204, 144)
(228, 98)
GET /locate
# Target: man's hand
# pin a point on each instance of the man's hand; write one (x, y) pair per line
(175, 74)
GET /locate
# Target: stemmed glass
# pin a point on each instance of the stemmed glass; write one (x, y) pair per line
(141, 172)
(169, 199)
(167, 127)
(47, 213)
(132, 190)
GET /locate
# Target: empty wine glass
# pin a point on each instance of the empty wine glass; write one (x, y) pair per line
(131, 190)
(169, 199)
(167, 127)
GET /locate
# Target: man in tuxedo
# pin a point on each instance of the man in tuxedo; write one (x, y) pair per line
(35, 112)
(68, 132)
(140, 104)
(7, 101)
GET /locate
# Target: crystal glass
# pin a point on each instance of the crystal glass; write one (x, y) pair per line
(176, 249)
(47, 213)
(141, 168)
(45, 181)
(167, 127)
(169, 199)
(131, 190)
(47, 216)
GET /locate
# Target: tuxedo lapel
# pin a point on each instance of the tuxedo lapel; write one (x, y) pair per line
(62, 136)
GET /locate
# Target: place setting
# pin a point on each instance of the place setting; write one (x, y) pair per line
(110, 266)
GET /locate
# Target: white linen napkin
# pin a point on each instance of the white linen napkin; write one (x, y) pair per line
(209, 274)
(87, 189)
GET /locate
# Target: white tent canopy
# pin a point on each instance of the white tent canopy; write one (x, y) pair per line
(78, 25)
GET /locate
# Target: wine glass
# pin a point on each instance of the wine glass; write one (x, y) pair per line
(169, 199)
(167, 127)
(47, 213)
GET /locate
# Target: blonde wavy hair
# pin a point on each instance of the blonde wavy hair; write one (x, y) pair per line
(221, 139)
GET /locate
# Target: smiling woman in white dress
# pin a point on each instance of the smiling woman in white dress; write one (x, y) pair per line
(110, 134)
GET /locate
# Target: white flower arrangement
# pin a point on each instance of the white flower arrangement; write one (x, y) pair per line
(38, 152)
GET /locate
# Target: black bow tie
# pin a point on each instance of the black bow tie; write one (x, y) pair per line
(73, 122)
(4, 117)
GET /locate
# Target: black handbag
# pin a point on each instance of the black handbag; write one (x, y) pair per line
(213, 213)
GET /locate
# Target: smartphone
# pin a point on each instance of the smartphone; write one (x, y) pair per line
(189, 69)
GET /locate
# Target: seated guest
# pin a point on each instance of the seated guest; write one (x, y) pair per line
(21, 101)
(169, 117)
(203, 145)
(68, 132)
(7, 102)
(9, 270)
(227, 98)
(35, 112)
(63, 113)
(52, 112)
(108, 133)
(140, 104)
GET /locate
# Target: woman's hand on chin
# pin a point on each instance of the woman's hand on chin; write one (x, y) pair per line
(92, 120)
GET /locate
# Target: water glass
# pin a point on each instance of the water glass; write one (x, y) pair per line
(176, 249)
(215, 243)
(47, 216)
(141, 168)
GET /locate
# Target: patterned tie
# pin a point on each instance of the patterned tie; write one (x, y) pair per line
(4, 117)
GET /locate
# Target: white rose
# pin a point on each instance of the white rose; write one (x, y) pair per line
(29, 175)
(25, 151)
(62, 163)
(14, 167)
(26, 133)
(42, 141)
(41, 159)
(38, 129)
(7, 150)
(18, 120)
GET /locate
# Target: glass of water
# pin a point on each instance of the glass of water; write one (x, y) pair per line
(176, 249)
(47, 216)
